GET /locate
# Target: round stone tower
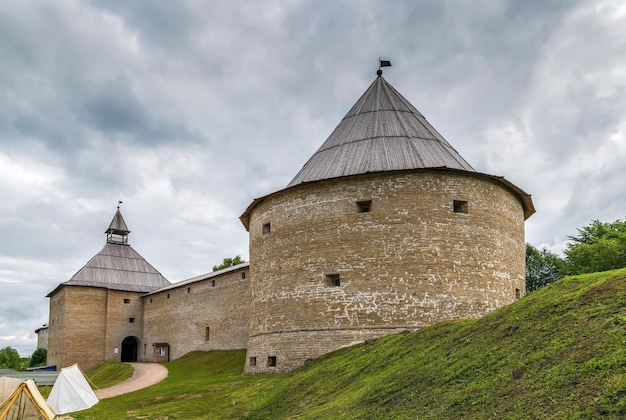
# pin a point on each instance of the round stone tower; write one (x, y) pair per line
(386, 228)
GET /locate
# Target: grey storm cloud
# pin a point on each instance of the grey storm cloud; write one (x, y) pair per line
(114, 108)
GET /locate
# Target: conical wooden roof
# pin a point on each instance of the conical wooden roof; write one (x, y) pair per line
(118, 225)
(118, 266)
(382, 132)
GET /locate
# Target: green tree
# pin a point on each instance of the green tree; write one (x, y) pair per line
(597, 247)
(229, 262)
(39, 358)
(542, 267)
(9, 358)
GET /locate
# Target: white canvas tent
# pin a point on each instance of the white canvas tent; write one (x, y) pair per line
(21, 400)
(71, 392)
(7, 386)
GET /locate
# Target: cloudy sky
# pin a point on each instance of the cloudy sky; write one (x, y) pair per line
(188, 110)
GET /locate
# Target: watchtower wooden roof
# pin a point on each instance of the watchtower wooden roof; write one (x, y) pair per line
(118, 266)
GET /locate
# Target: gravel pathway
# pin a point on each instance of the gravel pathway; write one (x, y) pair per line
(144, 375)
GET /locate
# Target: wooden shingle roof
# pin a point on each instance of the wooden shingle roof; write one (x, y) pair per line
(382, 132)
(118, 266)
(118, 225)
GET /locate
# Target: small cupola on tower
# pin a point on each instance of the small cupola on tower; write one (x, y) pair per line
(117, 233)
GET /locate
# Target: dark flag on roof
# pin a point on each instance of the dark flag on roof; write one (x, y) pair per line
(385, 63)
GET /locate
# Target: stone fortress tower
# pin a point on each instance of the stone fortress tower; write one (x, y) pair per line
(386, 228)
(97, 315)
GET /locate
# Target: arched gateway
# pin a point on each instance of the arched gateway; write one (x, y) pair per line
(129, 349)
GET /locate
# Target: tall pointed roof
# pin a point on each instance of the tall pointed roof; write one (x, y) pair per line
(382, 132)
(118, 266)
(118, 225)
(117, 231)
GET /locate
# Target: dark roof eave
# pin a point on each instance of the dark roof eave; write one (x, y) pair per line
(120, 288)
(54, 291)
(199, 278)
(525, 199)
(60, 286)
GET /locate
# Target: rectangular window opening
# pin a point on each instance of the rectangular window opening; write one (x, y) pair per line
(364, 206)
(271, 360)
(460, 206)
(243, 275)
(267, 229)
(253, 361)
(131, 320)
(518, 293)
(333, 280)
(168, 295)
(207, 333)
(126, 301)
(212, 283)
(189, 290)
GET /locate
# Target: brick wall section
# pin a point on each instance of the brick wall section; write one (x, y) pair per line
(87, 324)
(118, 325)
(181, 320)
(76, 327)
(409, 262)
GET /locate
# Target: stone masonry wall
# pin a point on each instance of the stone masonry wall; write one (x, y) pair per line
(181, 315)
(42, 338)
(76, 327)
(325, 275)
(87, 324)
(124, 318)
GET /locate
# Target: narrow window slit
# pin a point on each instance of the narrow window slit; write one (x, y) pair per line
(333, 280)
(364, 206)
(267, 228)
(460, 206)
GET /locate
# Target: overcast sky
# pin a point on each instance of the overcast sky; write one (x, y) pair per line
(188, 110)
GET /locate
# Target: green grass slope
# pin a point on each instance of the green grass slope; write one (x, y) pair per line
(559, 352)
(196, 384)
(109, 374)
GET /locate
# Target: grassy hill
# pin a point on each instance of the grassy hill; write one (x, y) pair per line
(559, 352)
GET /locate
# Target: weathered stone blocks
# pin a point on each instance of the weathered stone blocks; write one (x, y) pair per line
(207, 314)
(327, 274)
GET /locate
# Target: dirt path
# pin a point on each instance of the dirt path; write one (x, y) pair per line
(144, 375)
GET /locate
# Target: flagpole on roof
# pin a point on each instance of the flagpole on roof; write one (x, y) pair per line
(382, 63)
